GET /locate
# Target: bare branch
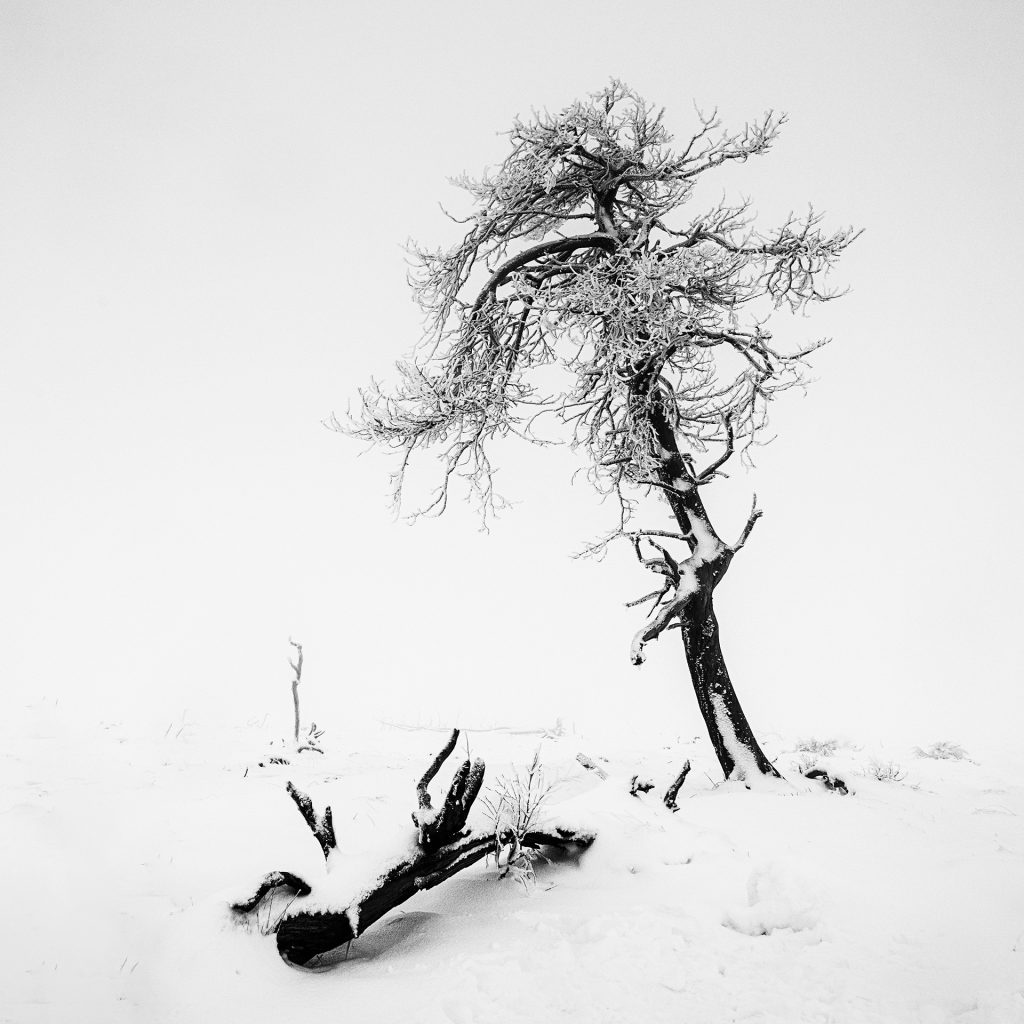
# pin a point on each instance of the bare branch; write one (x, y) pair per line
(523, 259)
(663, 620)
(658, 594)
(275, 880)
(755, 514)
(322, 827)
(709, 474)
(673, 791)
(434, 767)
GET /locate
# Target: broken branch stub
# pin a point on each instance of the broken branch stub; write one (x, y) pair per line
(673, 791)
(322, 827)
(435, 827)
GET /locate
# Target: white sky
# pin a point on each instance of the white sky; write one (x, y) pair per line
(203, 208)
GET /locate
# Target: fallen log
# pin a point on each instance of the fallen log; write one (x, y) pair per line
(305, 935)
(443, 847)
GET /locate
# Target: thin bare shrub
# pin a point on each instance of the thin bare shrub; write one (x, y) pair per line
(885, 771)
(515, 805)
(823, 748)
(943, 751)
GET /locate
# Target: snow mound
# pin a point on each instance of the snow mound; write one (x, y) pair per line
(776, 900)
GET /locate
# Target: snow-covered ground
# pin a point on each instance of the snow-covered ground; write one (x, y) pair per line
(902, 902)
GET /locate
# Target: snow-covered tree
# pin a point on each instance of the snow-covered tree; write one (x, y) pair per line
(586, 249)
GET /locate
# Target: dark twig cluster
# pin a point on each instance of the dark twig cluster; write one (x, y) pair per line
(322, 826)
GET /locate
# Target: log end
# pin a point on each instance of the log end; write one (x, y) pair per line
(307, 936)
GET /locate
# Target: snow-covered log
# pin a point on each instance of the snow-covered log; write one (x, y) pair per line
(443, 846)
(307, 934)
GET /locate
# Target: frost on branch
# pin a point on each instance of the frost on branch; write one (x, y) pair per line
(586, 249)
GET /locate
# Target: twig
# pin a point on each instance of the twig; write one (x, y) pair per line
(323, 827)
(297, 669)
(673, 791)
(755, 514)
(274, 880)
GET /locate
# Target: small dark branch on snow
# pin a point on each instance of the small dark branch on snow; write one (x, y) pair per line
(638, 785)
(275, 880)
(830, 782)
(673, 791)
(323, 827)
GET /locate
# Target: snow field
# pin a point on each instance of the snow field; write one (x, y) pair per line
(901, 903)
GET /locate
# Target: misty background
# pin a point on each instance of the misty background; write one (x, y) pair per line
(203, 214)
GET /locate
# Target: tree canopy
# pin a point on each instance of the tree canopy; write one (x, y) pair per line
(586, 249)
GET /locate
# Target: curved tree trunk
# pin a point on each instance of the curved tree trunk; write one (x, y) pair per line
(735, 744)
(696, 578)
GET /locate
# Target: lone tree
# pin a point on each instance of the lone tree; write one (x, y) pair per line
(657, 309)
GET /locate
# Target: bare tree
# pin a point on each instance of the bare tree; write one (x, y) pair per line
(586, 249)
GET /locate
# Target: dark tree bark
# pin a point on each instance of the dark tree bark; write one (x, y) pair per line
(322, 827)
(691, 606)
(716, 696)
(661, 330)
(677, 784)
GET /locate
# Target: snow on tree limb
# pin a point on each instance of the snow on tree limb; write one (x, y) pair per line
(663, 304)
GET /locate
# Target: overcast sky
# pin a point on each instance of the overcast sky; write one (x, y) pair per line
(203, 213)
